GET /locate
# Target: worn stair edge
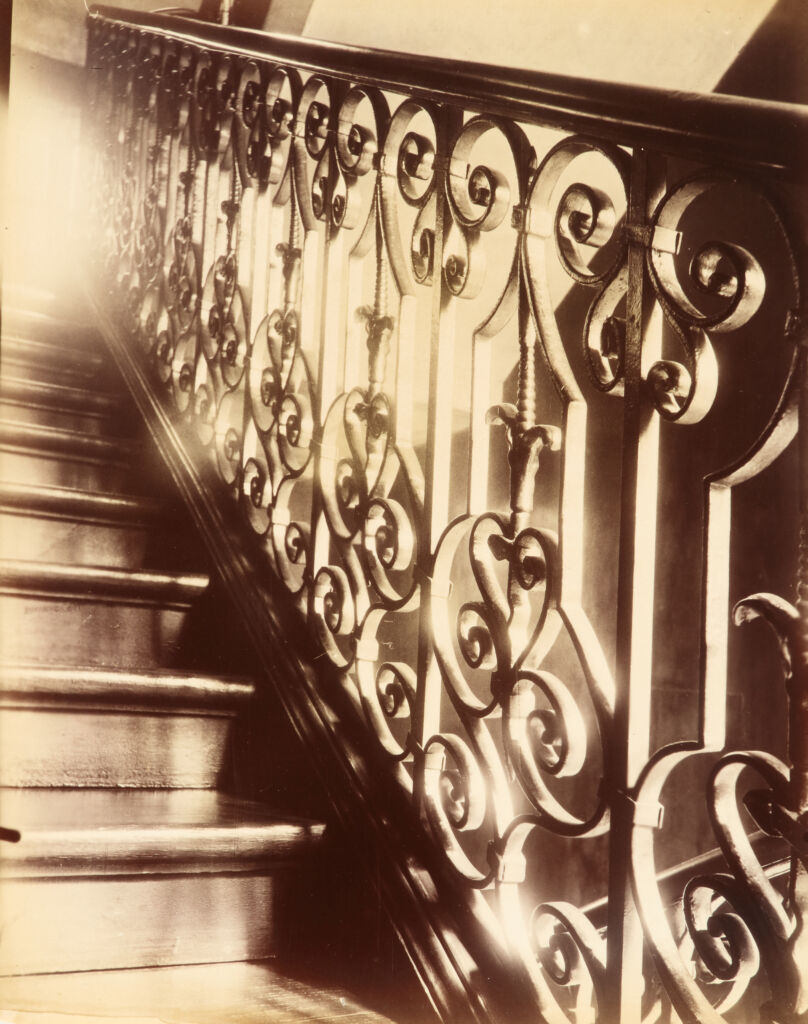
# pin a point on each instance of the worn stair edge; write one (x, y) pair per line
(21, 295)
(41, 440)
(99, 832)
(70, 728)
(58, 397)
(79, 506)
(77, 359)
(49, 329)
(20, 317)
(120, 689)
(96, 583)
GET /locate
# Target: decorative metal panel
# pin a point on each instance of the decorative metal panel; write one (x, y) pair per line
(470, 377)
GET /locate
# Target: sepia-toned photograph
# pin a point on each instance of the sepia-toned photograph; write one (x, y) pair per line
(404, 512)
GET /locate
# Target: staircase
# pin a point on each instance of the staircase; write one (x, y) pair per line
(126, 863)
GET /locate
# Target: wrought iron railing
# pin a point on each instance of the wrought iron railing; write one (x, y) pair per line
(484, 356)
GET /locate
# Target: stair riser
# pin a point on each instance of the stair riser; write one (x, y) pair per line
(77, 543)
(102, 633)
(27, 467)
(69, 924)
(80, 747)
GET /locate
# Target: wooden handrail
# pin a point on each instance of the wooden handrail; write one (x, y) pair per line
(726, 130)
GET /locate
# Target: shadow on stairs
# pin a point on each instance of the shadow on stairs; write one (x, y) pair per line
(172, 862)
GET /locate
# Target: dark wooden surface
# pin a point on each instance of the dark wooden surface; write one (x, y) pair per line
(730, 131)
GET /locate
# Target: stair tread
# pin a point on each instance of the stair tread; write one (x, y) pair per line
(17, 348)
(23, 295)
(78, 504)
(238, 993)
(100, 582)
(155, 689)
(98, 830)
(36, 436)
(76, 811)
(22, 313)
(58, 396)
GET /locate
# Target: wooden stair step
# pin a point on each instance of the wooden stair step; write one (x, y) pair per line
(144, 831)
(62, 524)
(54, 361)
(75, 726)
(65, 443)
(103, 879)
(57, 457)
(59, 396)
(92, 615)
(49, 469)
(79, 506)
(23, 400)
(161, 691)
(22, 316)
(93, 582)
(23, 295)
(243, 993)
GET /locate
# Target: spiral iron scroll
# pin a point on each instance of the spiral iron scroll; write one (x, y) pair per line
(270, 236)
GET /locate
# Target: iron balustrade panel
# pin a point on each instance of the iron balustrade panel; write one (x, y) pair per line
(486, 363)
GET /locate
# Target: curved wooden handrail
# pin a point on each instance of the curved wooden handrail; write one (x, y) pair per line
(726, 130)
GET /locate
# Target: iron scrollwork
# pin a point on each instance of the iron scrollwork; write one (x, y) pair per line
(314, 269)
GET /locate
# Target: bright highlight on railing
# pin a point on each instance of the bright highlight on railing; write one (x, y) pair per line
(485, 387)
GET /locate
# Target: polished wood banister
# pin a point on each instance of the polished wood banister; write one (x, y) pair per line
(752, 134)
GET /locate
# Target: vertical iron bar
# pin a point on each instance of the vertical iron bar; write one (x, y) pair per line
(213, 175)
(332, 344)
(332, 290)
(246, 249)
(426, 717)
(199, 204)
(479, 430)
(635, 608)
(172, 170)
(274, 232)
(354, 363)
(405, 369)
(262, 242)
